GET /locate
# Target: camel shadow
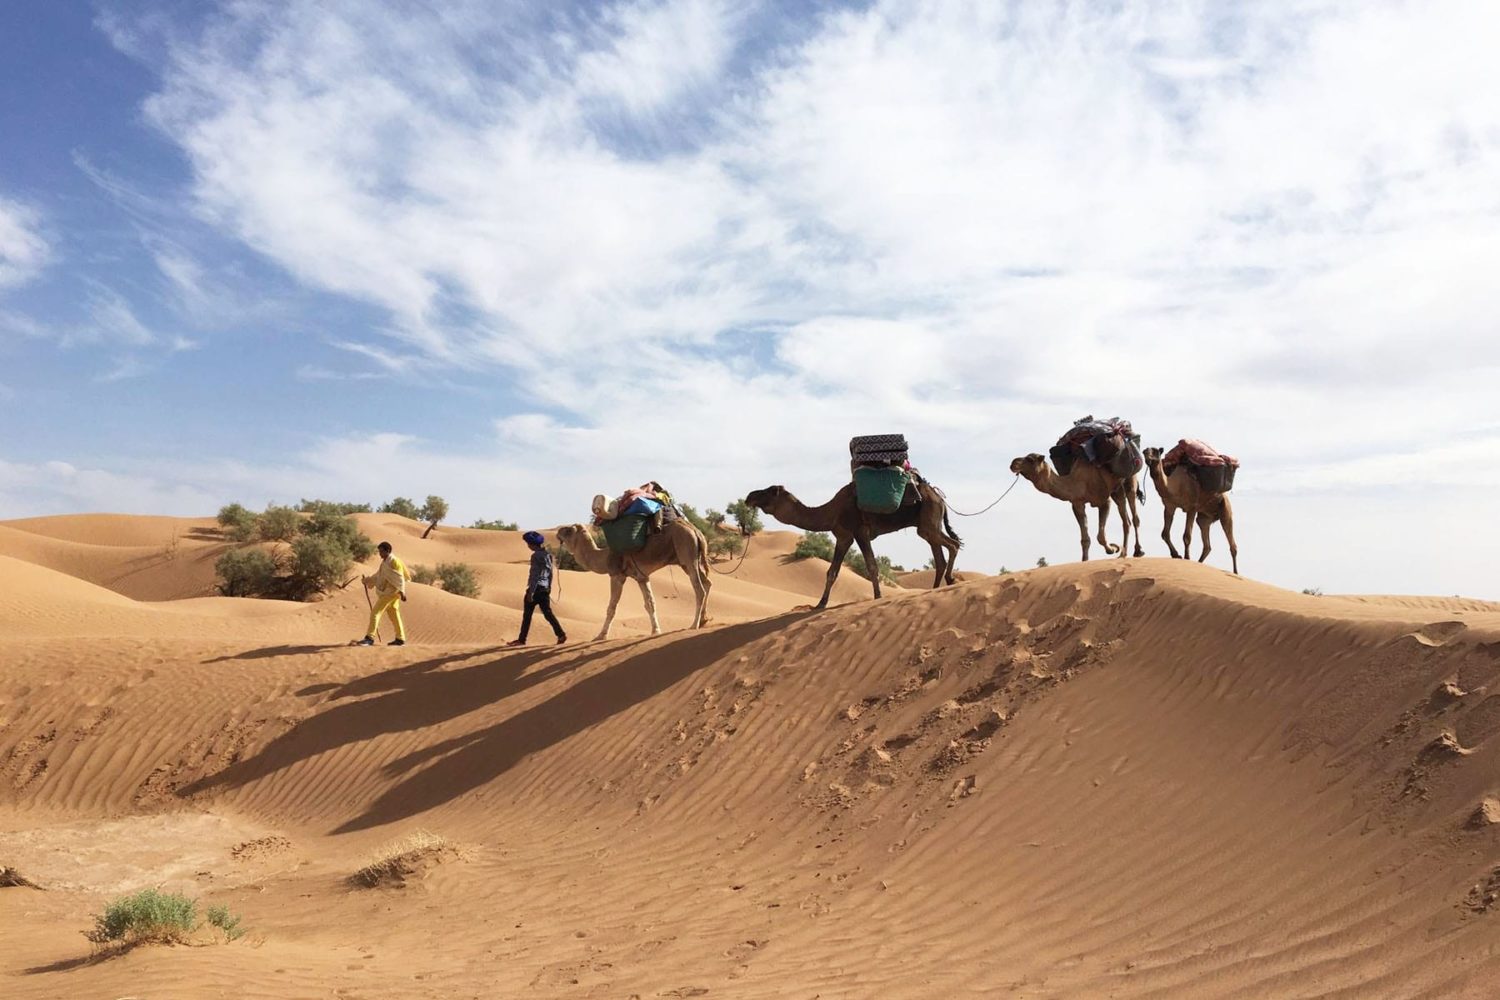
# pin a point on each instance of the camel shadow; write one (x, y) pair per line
(267, 652)
(411, 697)
(456, 766)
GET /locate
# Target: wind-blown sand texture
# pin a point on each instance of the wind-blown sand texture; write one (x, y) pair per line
(1137, 778)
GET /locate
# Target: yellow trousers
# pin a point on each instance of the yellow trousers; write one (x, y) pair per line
(390, 605)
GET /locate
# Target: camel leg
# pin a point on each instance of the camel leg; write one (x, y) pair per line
(650, 599)
(872, 568)
(616, 586)
(1109, 547)
(1135, 519)
(1187, 534)
(1166, 530)
(840, 549)
(1204, 521)
(939, 563)
(1226, 518)
(1083, 527)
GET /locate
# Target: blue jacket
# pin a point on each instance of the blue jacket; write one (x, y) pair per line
(541, 570)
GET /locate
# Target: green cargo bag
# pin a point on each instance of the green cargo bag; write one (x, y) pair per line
(627, 533)
(879, 491)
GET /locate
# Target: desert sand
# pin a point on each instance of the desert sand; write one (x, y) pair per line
(1124, 778)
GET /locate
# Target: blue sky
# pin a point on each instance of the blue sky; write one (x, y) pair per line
(519, 254)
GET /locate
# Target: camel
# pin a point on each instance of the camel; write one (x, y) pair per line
(1087, 485)
(678, 543)
(1181, 490)
(850, 525)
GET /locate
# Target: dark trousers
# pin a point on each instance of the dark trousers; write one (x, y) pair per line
(541, 597)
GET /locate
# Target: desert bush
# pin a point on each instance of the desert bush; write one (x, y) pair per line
(458, 578)
(332, 507)
(246, 573)
(724, 544)
(319, 563)
(1041, 562)
(278, 524)
(496, 526)
(747, 517)
(856, 561)
(424, 574)
(696, 519)
(814, 545)
(146, 916)
(402, 507)
(237, 521)
(433, 511)
(229, 923)
(715, 518)
(343, 530)
(392, 864)
(1313, 591)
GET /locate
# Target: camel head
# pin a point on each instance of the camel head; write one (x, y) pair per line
(1033, 466)
(764, 500)
(1152, 456)
(569, 534)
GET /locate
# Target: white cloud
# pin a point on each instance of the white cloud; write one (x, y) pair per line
(24, 251)
(1268, 226)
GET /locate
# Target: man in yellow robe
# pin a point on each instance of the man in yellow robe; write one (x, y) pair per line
(389, 584)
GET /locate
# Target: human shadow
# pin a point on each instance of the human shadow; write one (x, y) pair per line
(412, 697)
(466, 762)
(267, 652)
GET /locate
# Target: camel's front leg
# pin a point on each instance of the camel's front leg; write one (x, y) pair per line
(1166, 530)
(1135, 518)
(872, 568)
(1226, 518)
(840, 549)
(1204, 522)
(1083, 527)
(1187, 534)
(616, 586)
(650, 599)
(1109, 546)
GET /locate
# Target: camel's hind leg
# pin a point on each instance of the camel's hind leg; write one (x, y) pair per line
(1226, 518)
(616, 586)
(840, 549)
(650, 598)
(1204, 523)
(1109, 546)
(1135, 517)
(1187, 534)
(702, 583)
(872, 568)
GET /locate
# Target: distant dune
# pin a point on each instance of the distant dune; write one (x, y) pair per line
(1125, 778)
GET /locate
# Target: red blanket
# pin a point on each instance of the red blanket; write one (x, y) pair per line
(1195, 452)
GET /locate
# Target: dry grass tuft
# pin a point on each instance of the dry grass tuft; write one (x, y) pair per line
(12, 879)
(401, 859)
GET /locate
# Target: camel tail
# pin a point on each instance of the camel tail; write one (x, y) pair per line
(948, 527)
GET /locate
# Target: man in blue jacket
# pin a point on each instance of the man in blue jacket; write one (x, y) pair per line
(538, 589)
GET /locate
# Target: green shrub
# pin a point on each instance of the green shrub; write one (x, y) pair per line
(343, 530)
(246, 573)
(229, 923)
(1313, 591)
(856, 561)
(237, 521)
(722, 544)
(332, 507)
(402, 507)
(1041, 562)
(496, 526)
(814, 545)
(319, 563)
(714, 518)
(423, 574)
(458, 578)
(278, 524)
(148, 915)
(747, 517)
(696, 519)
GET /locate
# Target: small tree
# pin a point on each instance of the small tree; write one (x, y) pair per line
(319, 563)
(433, 511)
(278, 524)
(496, 526)
(402, 507)
(344, 530)
(714, 518)
(814, 545)
(747, 517)
(237, 521)
(724, 544)
(246, 573)
(1041, 562)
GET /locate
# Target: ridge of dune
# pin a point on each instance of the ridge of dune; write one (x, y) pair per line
(1134, 778)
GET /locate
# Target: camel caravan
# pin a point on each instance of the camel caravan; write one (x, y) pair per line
(1096, 463)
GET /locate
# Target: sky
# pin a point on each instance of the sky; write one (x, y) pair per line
(518, 254)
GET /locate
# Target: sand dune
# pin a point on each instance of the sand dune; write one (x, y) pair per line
(1137, 778)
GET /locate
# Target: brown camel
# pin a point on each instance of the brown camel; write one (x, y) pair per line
(1087, 485)
(1181, 490)
(850, 525)
(678, 543)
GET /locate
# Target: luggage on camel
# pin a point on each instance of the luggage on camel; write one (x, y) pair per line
(880, 491)
(1213, 470)
(628, 519)
(1112, 444)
